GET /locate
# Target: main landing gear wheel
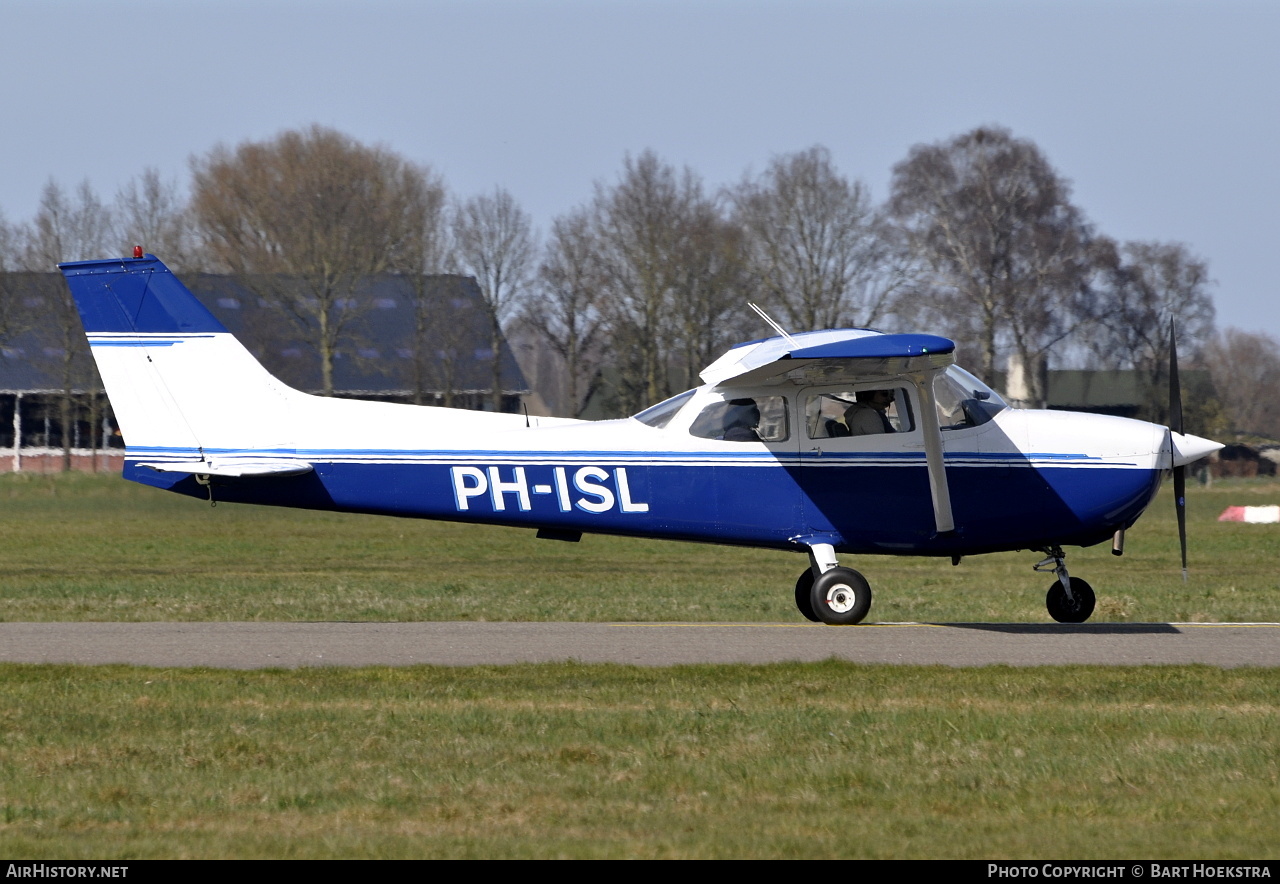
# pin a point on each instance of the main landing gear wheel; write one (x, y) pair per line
(841, 597)
(804, 595)
(1073, 610)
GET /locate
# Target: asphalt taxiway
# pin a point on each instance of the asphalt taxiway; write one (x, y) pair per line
(288, 645)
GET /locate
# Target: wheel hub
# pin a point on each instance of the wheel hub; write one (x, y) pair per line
(841, 598)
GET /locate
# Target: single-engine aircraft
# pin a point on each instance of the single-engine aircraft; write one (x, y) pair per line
(825, 442)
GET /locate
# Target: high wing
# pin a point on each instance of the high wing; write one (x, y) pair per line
(829, 356)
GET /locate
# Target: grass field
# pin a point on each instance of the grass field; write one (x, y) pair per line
(98, 548)
(564, 760)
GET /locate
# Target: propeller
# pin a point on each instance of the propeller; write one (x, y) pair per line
(1175, 426)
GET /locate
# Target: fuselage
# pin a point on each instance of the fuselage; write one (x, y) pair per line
(1019, 479)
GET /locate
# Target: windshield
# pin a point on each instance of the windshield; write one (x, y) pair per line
(963, 400)
(658, 416)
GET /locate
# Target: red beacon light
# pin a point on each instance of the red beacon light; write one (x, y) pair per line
(137, 251)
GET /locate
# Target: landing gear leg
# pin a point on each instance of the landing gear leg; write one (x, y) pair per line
(1070, 599)
(822, 558)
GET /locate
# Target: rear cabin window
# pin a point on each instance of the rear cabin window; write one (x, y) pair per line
(834, 414)
(745, 419)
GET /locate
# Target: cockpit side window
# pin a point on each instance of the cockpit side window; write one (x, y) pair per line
(836, 413)
(744, 419)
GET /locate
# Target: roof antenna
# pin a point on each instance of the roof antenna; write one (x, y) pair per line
(772, 324)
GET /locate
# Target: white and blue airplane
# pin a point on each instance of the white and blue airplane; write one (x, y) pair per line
(845, 441)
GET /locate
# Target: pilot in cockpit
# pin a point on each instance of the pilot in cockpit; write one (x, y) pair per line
(867, 415)
(741, 420)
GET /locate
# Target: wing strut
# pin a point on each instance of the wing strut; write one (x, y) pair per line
(935, 456)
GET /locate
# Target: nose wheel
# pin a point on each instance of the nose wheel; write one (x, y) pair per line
(1070, 599)
(1075, 608)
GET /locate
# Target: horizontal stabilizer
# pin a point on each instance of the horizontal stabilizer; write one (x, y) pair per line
(232, 468)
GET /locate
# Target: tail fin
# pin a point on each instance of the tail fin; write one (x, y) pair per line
(183, 388)
(135, 296)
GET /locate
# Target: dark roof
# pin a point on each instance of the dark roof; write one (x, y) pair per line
(1093, 389)
(34, 349)
(377, 357)
(1087, 389)
(1113, 391)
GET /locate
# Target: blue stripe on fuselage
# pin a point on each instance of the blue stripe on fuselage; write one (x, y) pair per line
(761, 459)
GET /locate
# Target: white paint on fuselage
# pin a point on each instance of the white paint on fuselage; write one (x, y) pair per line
(242, 408)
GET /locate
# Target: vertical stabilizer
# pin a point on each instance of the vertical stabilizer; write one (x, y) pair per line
(181, 385)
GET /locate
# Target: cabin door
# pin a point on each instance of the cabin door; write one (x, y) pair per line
(863, 472)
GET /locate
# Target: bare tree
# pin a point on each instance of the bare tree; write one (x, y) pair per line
(638, 237)
(815, 243)
(66, 228)
(1245, 367)
(427, 253)
(305, 219)
(564, 308)
(150, 212)
(1150, 284)
(428, 247)
(1004, 256)
(713, 287)
(1155, 282)
(10, 304)
(495, 243)
(669, 271)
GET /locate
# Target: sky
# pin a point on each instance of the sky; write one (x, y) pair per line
(1163, 116)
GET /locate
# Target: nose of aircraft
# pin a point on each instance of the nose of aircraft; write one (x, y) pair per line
(1189, 449)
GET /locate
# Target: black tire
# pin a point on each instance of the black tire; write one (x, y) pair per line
(841, 597)
(1076, 610)
(804, 595)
